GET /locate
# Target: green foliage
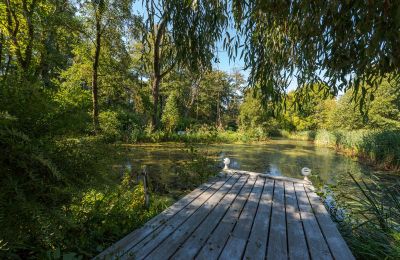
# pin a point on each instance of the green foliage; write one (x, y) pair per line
(100, 217)
(29, 103)
(371, 222)
(110, 125)
(251, 113)
(314, 42)
(380, 147)
(192, 45)
(56, 177)
(255, 120)
(72, 116)
(170, 117)
(384, 109)
(32, 189)
(64, 198)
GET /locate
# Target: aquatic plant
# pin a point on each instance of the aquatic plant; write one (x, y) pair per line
(371, 223)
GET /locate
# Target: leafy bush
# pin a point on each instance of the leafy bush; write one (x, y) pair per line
(170, 117)
(66, 202)
(100, 217)
(110, 125)
(32, 188)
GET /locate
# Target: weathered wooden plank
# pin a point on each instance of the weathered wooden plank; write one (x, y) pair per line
(277, 245)
(336, 243)
(170, 245)
(297, 245)
(190, 248)
(130, 240)
(315, 240)
(237, 241)
(151, 241)
(244, 216)
(217, 240)
(257, 245)
(267, 175)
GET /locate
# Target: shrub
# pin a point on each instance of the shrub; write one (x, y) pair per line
(110, 125)
(32, 188)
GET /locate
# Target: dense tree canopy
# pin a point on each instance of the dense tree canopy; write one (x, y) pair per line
(341, 43)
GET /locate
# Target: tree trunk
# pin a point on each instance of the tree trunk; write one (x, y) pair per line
(28, 13)
(218, 123)
(96, 124)
(156, 94)
(13, 27)
(157, 75)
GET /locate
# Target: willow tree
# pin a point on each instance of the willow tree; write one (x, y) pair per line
(180, 34)
(344, 44)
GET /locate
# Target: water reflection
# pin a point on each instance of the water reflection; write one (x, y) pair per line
(278, 157)
(287, 157)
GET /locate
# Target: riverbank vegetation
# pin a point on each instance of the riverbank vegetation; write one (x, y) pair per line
(368, 215)
(372, 135)
(79, 78)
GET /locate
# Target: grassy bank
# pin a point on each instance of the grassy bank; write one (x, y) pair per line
(201, 136)
(379, 148)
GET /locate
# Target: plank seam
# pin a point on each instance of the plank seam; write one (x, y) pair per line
(204, 219)
(252, 223)
(210, 187)
(302, 224)
(319, 225)
(111, 250)
(270, 217)
(216, 226)
(241, 211)
(191, 215)
(286, 218)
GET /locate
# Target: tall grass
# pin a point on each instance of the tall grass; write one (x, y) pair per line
(378, 147)
(371, 223)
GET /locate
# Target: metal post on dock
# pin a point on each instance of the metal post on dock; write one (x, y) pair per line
(227, 161)
(146, 188)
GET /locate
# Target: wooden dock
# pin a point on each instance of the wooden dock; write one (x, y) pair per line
(241, 215)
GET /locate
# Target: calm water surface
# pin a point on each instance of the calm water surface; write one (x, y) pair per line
(277, 157)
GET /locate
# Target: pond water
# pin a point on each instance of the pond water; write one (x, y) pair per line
(277, 157)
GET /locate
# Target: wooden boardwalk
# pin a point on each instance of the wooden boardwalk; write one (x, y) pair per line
(239, 216)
